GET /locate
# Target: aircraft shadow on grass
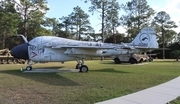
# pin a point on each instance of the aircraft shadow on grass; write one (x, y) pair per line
(123, 64)
(47, 78)
(109, 70)
(54, 78)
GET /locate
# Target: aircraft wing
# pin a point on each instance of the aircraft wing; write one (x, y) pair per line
(91, 51)
(84, 47)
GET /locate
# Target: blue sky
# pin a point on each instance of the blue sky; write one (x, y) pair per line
(61, 8)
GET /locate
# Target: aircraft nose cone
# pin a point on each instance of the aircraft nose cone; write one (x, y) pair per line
(20, 51)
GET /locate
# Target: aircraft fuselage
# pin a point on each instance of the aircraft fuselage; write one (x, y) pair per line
(55, 49)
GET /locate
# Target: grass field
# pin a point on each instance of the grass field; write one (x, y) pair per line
(104, 81)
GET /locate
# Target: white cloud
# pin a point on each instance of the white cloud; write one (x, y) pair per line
(155, 7)
(172, 7)
(121, 29)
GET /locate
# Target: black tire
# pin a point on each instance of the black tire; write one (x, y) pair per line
(150, 59)
(141, 61)
(83, 68)
(77, 66)
(132, 61)
(117, 61)
(29, 68)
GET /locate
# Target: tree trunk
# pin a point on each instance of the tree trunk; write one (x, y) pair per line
(102, 22)
(4, 39)
(163, 42)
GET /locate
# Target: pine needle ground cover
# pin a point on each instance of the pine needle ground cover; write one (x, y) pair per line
(105, 80)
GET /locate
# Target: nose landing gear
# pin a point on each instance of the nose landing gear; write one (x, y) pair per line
(29, 67)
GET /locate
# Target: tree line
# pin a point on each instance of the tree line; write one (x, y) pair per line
(27, 17)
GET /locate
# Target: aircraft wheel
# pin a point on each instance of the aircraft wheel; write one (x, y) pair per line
(83, 68)
(29, 68)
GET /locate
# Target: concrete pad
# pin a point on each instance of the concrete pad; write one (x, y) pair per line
(160, 94)
(51, 71)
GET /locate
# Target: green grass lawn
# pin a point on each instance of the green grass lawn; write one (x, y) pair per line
(104, 81)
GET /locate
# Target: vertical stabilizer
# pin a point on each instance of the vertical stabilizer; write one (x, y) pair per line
(147, 38)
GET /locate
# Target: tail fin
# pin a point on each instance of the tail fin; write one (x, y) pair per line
(147, 38)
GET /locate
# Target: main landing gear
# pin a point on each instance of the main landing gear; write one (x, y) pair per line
(81, 66)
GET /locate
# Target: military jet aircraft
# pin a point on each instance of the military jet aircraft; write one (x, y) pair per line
(56, 49)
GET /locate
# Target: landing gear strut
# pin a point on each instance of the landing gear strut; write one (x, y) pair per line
(81, 66)
(29, 67)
